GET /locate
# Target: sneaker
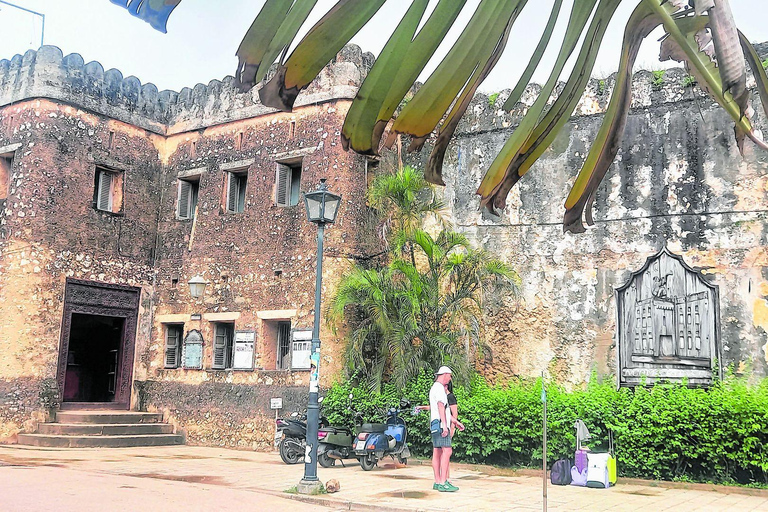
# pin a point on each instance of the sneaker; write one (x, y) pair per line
(436, 486)
(451, 486)
(446, 487)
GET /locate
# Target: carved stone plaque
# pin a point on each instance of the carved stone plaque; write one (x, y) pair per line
(668, 321)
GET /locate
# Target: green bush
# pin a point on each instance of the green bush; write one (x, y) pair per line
(668, 432)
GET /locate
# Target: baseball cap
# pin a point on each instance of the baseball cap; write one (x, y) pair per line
(442, 370)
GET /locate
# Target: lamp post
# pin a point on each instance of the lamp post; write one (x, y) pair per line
(322, 207)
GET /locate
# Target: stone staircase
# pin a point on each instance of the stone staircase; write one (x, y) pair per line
(103, 429)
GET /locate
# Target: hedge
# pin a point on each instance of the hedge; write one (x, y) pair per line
(668, 432)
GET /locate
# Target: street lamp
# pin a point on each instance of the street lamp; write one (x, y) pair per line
(197, 286)
(322, 207)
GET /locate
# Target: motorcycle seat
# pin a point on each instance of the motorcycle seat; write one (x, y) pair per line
(336, 430)
(373, 427)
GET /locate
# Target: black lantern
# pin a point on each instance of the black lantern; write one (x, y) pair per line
(322, 205)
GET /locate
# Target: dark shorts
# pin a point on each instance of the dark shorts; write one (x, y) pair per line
(438, 441)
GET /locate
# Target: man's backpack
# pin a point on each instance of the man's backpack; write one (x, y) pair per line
(561, 472)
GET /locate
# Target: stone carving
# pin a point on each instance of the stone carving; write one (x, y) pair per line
(668, 324)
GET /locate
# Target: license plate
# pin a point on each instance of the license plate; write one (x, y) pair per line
(278, 437)
(360, 445)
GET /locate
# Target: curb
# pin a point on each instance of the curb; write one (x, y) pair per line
(326, 501)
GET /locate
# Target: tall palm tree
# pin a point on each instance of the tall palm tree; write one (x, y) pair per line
(700, 33)
(406, 318)
(402, 201)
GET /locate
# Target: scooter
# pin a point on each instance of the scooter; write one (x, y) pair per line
(375, 441)
(335, 443)
(291, 436)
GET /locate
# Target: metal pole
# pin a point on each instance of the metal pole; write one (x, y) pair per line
(313, 409)
(544, 450)
(42, 36)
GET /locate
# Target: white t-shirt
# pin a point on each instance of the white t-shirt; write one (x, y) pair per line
(437, 394)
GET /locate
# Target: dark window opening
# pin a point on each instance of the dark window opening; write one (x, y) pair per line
(283, 346)
(189, 189)
(92, 358)
(288, 182)
(236, 184)
(173, 336)
(223, 336)
(6, 161)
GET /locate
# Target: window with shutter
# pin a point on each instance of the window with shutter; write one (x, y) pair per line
(222, 346)
(184, 202)
(104, 194)
(236, 184)
(283, 185)
(173, 336)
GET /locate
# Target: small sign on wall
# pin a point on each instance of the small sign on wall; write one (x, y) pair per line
(244, 346)
(275, 403)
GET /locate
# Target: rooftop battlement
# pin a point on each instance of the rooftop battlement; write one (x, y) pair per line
(47, 73)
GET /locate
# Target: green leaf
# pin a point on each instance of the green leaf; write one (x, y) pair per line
(640, 24)
(538, 53)
(532, 137)
(271, 33)
(472, 49)
(324, 40)
(434, 171)
(397, 67)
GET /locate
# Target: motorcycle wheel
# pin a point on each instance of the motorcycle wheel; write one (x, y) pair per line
(367, 463)
(403, 461)
(288, 453)
(325, 461)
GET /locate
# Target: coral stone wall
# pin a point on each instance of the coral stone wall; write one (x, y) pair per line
(49, 230)
(678, 180)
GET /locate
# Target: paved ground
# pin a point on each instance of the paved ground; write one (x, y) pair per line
(195, 478)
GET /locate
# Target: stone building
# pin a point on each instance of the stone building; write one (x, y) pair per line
(113, 196)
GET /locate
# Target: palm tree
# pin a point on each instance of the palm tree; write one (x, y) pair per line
(407, 318)
(402, 201)
(700, 33)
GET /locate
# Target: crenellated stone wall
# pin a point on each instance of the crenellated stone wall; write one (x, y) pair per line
(47, 73)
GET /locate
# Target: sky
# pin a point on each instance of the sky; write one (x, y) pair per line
(203, 36)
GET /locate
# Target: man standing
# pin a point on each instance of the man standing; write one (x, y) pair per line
(439, 427)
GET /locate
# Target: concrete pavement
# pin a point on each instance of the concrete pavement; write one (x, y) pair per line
(199, 478)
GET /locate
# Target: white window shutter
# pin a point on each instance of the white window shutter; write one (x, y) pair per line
(220, 348)
(283, 185)
(185, 196)
(233, 189)
(104, 196)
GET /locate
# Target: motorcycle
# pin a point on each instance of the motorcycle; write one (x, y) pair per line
(375, 441)
(291, 436)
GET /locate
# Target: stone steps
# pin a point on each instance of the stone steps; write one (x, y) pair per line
(103, 429)
(102, 417)
(110, 441)
(114, 429)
